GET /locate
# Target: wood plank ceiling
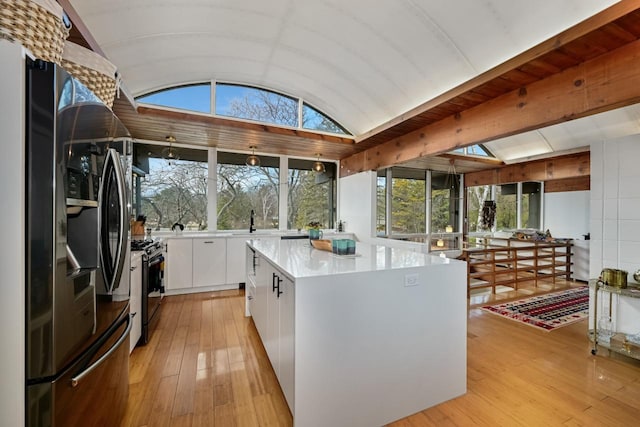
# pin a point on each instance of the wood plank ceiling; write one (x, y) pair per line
(400, 140)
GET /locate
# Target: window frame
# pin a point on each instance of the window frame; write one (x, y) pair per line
(213, 85)
(211, 154)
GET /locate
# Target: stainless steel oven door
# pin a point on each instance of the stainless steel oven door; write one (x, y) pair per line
(152, 280)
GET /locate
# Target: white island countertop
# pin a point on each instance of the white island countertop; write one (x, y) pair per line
(359, 340)
(298, 259)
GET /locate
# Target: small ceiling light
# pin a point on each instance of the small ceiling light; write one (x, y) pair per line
(252, 160)
(440, 243)
(169, 153)
(318, 166)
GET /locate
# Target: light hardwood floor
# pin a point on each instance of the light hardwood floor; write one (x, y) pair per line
(205, 366)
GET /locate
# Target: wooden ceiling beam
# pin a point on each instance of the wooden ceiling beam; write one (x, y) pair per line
(606, 82)
(607, 16)
(190, 118)
(567, 167)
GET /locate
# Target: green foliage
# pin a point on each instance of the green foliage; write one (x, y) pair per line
(408, 206)
(308, 202)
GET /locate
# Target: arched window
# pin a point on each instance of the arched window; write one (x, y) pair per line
(315, 120)
(246, 103)
(196, 97)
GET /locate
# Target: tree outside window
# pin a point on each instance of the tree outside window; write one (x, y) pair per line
(476, 196)
(381, 203)
(174, 192)
(506, 207)
(312, 195)
(408, 201)
(243, 188)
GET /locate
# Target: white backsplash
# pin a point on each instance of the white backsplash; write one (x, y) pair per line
(615, 205)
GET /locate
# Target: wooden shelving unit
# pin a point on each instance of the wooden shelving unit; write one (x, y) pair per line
(497, 261)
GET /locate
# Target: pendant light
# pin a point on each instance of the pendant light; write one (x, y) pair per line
(452, 180)
(252, 159)
(169, 153)
(318, 166)
(440, 242)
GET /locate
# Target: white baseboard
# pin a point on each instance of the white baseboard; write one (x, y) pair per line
(169, 292)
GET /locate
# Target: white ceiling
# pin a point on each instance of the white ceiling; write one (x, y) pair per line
(567, 136)
(362, 62)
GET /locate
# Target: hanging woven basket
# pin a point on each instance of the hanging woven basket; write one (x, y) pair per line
(92, 70)
(35, 24)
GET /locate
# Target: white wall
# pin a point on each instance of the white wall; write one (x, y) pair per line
(12, 190)
(566, 214)
(615, 205)
(357, 201)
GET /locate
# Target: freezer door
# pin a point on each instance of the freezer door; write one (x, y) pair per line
(93, 392)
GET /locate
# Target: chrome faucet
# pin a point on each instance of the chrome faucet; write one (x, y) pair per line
(251, 227)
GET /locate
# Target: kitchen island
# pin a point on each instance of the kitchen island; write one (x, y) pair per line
(359, 340)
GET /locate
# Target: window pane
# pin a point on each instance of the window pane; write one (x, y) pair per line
(173, 192)
(531, 204)
(243, 188)
(476, 196)
(312, 195)
(244, 102)
(193, 98)
(506, 201)
(445, 202)
(478, 150)
(315, 120)
(381, 203)
(408, 202)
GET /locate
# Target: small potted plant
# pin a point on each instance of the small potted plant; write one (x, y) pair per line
(315, 231)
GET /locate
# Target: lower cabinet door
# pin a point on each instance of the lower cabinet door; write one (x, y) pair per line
(287, 323)
(179, 264)
(273, 321)
(209, 262)
(135, 307)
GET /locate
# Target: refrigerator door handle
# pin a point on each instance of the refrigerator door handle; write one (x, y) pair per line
(113, 159)
(125, 335)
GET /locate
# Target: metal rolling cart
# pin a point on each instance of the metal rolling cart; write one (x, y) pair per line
(618, 342)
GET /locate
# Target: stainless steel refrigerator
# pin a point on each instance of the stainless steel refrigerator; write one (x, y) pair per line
(77, 277)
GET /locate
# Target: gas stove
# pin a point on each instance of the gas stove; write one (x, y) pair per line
(149, 246)
(140, 244)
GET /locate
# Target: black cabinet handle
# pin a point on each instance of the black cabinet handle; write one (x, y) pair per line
(275, 285)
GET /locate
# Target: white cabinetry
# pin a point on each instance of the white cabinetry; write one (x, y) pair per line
(236, 257)
(325, 353)
(236, 264)
(135, 301)
(581, 260)
(179, 264)
(286, 368)
(209, 261)
(273, 314)
(259, 303)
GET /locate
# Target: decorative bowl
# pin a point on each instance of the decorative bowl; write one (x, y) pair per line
(323, 245)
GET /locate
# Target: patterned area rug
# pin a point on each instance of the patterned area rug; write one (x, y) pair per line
(548, 311)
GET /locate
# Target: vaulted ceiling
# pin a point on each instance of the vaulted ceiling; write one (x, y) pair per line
(383, 69)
